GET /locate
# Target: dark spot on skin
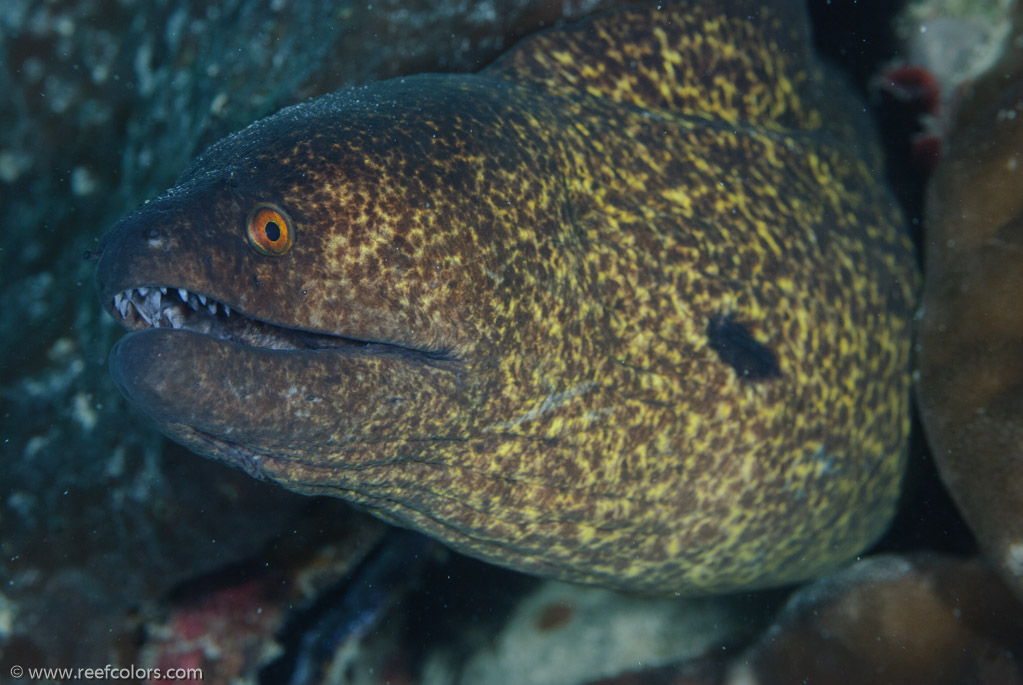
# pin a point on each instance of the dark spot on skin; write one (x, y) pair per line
(736, 346)
(255, 282)
(554, 616)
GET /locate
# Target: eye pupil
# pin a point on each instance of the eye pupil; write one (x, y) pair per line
(270, 229)
(273, 231)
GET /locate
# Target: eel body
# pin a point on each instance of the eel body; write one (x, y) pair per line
(628, 307)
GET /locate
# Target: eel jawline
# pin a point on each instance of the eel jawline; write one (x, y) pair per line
(178, 308)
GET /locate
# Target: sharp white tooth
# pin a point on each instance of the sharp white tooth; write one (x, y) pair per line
(183, 294)
(227, 311)
(202, 298)
(142, 313)
(212, 306)
(143, 291)
(163, 291)
(122, 305)
(192, 302)
(153, 304)
(173, 315)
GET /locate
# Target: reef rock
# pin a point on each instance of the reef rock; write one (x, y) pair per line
(971, 323)
(889, 619)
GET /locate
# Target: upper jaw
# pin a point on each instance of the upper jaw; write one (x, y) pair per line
(152, 307)
(179, 308)
(143, 287)
(160, 307)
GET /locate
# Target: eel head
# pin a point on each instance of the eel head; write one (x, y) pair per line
(293, 305)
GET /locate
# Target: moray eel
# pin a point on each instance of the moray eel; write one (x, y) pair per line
(628, 307)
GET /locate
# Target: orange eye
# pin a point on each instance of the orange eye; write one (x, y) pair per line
(270, 229)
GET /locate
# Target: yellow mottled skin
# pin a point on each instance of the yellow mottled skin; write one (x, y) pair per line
(637, 305)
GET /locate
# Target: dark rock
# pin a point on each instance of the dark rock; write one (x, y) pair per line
(971, 326)
(889, 619)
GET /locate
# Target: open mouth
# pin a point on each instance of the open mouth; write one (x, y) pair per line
(171, 307)
(179, 308)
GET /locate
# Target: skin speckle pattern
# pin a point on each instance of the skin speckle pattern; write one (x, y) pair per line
(556, 237)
